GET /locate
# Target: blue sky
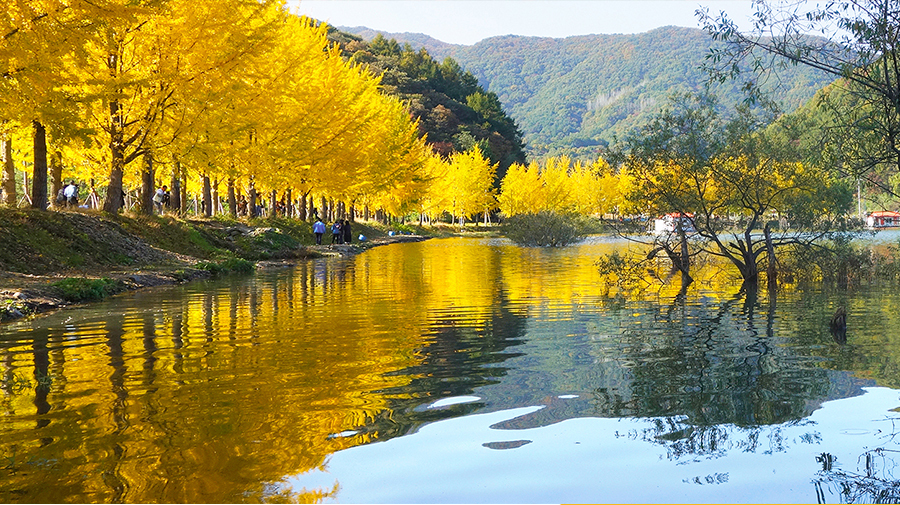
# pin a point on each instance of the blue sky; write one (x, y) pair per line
(468, 21)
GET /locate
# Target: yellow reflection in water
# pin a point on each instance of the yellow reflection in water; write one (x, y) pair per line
(214, 394)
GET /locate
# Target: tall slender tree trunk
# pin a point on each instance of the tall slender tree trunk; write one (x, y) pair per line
(147, 188)
(685, 260)
(9, 172)
(216, 198)
(751, 270)
(175, 198)
(304, 215)
(772, 268)
(273, 204)
(232, 199)
(252, 203)
(207, 197)
(114, 193)
(184, 193)
(289, 203)
(56, 182)
(39, 177)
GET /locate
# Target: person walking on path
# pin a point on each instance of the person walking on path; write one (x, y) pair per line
(159, 198)
(345, 229)
(319, 230)
(336, 233)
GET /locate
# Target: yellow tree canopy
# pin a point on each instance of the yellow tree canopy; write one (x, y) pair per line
(521, 190)
(472, 179)
(563, 187)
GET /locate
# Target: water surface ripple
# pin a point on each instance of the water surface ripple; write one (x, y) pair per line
(454, 370)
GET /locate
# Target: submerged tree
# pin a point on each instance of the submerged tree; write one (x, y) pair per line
(726, 182)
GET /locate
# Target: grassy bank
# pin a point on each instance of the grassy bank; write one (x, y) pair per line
(53, 258)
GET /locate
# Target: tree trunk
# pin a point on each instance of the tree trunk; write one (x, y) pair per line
(289, 203)
(749, 270)
(39, 177)
(215, 202)
(9, 172)
(175, 198)
(685, 267)
(147, 188)
(273, 204)
(232, 199)
(184, 193)
(252, 203)
(114, 194)
(56, 182)
(301, 212)
(772, 268)
(207, 197)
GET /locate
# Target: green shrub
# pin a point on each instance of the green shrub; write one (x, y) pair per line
(839, 261)
(79, 289)
(230, 265)
(545, 229)
(238, 265)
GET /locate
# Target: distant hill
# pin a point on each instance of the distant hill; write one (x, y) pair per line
(572, 95)
(417, 40)
(454, 113)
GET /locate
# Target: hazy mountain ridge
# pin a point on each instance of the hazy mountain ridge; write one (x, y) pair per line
(572, 95)
(416, 40)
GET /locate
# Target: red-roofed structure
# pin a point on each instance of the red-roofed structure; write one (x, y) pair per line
(883, 219)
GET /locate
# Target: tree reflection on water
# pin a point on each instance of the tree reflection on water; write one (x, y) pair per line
(873, 482)
(215, 393)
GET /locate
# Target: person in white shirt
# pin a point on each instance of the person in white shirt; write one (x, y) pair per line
(160, 197)
(71, 194)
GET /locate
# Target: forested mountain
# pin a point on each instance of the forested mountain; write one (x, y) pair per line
(453, 110)
(573, 95)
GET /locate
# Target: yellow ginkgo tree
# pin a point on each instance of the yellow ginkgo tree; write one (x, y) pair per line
(471, 178)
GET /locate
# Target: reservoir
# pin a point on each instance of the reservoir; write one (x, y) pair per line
(458, 370)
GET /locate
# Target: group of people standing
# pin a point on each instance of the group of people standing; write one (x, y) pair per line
(340, 232)
(68, 195)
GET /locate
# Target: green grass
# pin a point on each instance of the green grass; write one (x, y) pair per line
(80, 289)
(230, 265)
(40, 242)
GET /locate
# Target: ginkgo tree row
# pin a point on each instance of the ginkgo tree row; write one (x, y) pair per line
(564, 186)
(240, 92)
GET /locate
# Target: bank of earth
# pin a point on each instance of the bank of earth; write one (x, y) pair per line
(43, 254)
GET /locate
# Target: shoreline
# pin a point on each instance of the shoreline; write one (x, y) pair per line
(25, 295)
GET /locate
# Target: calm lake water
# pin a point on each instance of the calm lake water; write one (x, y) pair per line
(453, 370)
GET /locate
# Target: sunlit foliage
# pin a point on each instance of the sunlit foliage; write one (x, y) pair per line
(562, 186)
(230, 90)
